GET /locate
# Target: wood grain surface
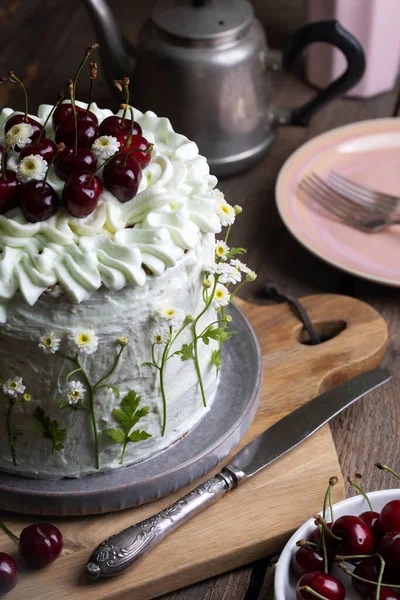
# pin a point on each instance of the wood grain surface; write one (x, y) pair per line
(42, 40)
(251, 522)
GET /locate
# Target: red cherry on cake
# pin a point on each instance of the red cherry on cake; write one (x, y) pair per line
(65, 110)
(355, 535)
(38, 202)
(113, 126)
(88, 131)
(69, 161)
(8, 191)
(81, 193)
(139, 148)
(45, 148)
(390, 516)
(306, 560)
(121, 179)
(18, 119)
(8, 573)
(40, 544)
(322, 584)
(389, 548)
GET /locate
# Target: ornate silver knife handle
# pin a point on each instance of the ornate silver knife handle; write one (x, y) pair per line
(120, 551)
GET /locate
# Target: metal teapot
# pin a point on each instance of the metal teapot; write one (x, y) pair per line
(202, 63)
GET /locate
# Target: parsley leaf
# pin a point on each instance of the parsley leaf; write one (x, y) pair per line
(216, 359)
(127, 416)
(186, 352)
(235, 252)
(219, 334)
(49, 429)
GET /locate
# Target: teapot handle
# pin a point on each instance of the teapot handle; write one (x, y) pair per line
(333, 33)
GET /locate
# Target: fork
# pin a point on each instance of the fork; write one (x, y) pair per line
(365, 217)
(361, 193)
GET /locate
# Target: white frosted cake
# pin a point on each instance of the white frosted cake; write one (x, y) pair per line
(111, 324)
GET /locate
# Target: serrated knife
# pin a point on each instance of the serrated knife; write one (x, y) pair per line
(121, 550)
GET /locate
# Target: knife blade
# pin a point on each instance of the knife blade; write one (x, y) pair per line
(117, 553)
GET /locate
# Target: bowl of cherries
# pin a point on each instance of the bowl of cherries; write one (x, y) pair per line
(349, 550)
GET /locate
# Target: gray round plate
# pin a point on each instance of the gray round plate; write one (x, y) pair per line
(200, 451)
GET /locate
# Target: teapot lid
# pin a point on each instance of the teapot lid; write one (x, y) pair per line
(202, 19)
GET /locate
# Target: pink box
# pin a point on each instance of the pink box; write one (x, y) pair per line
(376, 24)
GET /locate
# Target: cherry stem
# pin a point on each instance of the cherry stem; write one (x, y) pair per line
(17, 80)
(59, 99)
(362, 492)
(388, 469)
(72, 94)
(324, 551)
(301, 543)
(60, 148)
(380, 576)
(348, 572)
(129, 138)
(136, 150)
(307, 588)
(88, 51)
(3, 164)
(101, 166)
(328, 496)
(126, 88)
(9, 532)
(320, 521)
(349, 557)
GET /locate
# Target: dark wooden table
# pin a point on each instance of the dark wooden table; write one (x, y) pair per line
(42, 41)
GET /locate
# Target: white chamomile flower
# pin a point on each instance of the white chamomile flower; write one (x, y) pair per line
(221, 250)
(229, 274)
(219, 195)
(226, 213)
(251, 276)
(221, 296)
(238, 264)
(160, 338)
(49, 343)
(172, 315)
(75, 392)
(85, 340)
(31, 167)
(19, 135)
(14, 387)
(27, 397)
(105, 146)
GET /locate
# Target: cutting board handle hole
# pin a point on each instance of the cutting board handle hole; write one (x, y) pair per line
(326, 330)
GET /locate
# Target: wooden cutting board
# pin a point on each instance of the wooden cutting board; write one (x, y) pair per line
(256, 519)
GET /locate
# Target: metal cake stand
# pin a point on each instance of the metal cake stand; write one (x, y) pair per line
(220, 430)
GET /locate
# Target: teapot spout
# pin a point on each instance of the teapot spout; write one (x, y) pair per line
(117, 53)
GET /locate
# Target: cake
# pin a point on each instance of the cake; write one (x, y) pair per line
(111, 323)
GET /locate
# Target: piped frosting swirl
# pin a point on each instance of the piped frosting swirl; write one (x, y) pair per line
(119, 243)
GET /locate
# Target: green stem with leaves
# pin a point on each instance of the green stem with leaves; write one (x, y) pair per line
(162, 387)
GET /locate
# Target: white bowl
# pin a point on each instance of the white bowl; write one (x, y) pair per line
(286, 581)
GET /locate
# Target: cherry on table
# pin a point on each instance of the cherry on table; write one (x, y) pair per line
(65, 110)
(389, 548)
(8, 573)
(121, 179)
(69, 161)
(8, 191)
(18, 119)
(390, 516)
(372, 520)
(88, 131)
(81, 193)
(112, 125)
(356, 536)
(308, 559)
(45, 148)
(40, 544)
(323, 584)
(38, 202)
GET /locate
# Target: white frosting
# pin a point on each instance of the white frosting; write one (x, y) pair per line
(129, 312)
(111, 247)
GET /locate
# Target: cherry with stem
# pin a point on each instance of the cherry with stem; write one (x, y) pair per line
(24, 118)
(349, 572)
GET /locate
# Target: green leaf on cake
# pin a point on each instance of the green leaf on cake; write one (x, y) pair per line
(220, 334)
(235, 252)
(186, 352)
(128, 415)
(49, 429)
(216, 359)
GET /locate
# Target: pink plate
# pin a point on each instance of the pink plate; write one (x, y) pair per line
(369, 153)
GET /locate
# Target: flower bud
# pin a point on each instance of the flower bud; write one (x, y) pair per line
(238, 209)
(207, 283)
(123, 341)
